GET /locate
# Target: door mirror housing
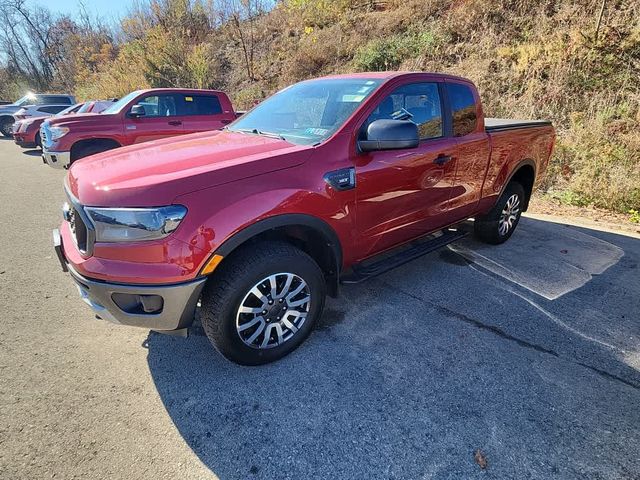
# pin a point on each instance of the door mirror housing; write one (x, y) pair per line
(387, 134)
(137, 111)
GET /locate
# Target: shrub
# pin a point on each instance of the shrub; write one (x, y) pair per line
(389, 53)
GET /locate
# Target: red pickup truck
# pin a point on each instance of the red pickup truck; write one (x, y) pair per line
(138, 117)
(330, 180)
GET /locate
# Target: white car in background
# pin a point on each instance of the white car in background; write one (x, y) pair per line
(38, 111)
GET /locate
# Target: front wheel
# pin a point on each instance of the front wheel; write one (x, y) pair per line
(499, 224)
(6, 124)
(263, 302)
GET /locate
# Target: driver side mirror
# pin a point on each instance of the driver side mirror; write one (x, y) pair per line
(390, 135)
(137, 111)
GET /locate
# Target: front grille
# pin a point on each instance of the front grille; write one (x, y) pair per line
(77, 227)
(78, 230)
(43, 133)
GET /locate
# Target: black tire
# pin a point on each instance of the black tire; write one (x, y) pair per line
(6, 125)
(230, 285)
(38, 141)
(488, 227)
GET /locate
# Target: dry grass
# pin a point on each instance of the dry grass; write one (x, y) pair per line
(530, 59)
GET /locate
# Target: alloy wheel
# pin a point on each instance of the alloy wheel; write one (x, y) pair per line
(273, 310)
(509, 214)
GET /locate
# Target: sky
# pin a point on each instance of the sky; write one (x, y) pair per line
(104, 9)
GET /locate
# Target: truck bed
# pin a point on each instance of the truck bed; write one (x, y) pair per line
(497, 124)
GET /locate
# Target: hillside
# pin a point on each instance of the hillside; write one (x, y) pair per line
(569, 61)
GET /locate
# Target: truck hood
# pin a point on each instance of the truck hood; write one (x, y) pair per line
(98, 120)
(155, 173)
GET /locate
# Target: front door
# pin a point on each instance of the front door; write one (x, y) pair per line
(161, 119)
(402, 194)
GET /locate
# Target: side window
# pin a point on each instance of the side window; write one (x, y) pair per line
(201, 105)
(418, 102)
(53, 108)
(463, 109)
(58, 99)
(159, 105)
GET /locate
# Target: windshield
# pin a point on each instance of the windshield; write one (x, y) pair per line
(71, 109)
(120, 104)
(28, 99)
(85, 108)
(307, 113)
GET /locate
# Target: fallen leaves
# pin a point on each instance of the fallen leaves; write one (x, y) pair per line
(480, 458)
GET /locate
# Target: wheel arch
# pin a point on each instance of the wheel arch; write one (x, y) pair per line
(525, 174)
(107, 141)
(311, 234)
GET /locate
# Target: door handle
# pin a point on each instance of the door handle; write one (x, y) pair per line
(442, 159)
(175, 122)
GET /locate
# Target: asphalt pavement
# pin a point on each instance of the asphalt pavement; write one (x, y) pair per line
(523, 359)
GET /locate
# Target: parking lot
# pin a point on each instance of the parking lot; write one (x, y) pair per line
(528, 353)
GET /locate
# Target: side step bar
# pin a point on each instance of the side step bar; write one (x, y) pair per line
(389, 260)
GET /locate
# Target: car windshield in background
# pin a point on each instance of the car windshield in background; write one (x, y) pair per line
(120, 104)
(28, 99)
(67, 110)
(307, 113)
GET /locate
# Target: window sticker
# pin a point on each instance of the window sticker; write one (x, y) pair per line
(352, 98)
(316, 131)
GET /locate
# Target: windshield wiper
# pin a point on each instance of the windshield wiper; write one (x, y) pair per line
(255, 131)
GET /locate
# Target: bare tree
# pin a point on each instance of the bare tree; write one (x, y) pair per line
(242, 15)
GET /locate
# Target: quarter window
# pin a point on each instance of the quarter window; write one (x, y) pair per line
(418, 102)
(463, 109)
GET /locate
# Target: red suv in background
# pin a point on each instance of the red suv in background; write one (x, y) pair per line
(26, 133)
(138, 117)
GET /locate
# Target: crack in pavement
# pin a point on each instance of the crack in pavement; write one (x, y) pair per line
(502, 334)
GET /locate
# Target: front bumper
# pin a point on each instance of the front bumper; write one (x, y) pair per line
(56, 159)
(155, 307)
(22, 141)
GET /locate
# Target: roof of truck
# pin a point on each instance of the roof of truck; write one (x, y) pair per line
(390, 75)
(182, 90)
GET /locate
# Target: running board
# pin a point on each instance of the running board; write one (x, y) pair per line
(387, 261)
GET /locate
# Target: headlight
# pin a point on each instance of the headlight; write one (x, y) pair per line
(135, 224)
(57, 132)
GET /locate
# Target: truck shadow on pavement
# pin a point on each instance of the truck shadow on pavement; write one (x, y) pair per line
(32, 152)
(528, 351)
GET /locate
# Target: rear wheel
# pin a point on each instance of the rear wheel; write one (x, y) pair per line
(5, 126)
(499, 224)
(263, 302)
(38, 142)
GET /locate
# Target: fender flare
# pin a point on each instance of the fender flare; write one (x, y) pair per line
(285, 220)
(515, 170)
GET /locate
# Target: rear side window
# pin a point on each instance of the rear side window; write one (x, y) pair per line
(418, 102)
(52, 108)
(60, 99)
(201, 105)
(463, 109)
